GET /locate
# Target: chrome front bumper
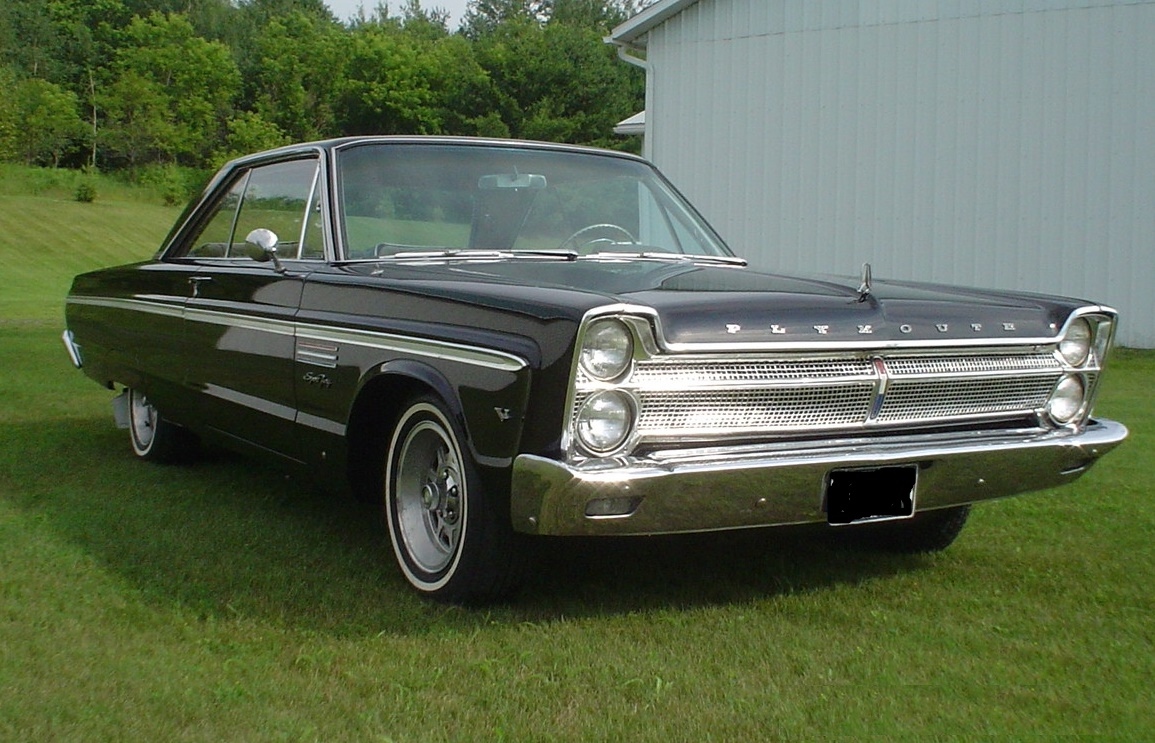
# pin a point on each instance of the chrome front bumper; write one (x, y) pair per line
(737, 487)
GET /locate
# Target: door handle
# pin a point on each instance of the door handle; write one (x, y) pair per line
(196, 282)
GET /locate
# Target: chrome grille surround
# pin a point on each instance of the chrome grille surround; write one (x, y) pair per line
(716, 394)
(710, 399)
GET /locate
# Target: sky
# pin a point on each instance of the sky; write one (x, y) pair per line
(346, 9)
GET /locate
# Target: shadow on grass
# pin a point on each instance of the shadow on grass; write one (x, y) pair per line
(229, 538)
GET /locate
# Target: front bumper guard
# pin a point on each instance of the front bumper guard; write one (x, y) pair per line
(748, 486)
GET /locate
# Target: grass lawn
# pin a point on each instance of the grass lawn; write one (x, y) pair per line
(221, 601)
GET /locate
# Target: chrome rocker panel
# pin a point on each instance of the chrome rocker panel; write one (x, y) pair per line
(764, 485)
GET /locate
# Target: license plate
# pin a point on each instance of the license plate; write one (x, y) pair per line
(870, 494)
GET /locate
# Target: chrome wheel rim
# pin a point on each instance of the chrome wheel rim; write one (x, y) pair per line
(143, 421)
(430, 496)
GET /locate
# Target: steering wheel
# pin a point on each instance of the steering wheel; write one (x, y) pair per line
(605, 227)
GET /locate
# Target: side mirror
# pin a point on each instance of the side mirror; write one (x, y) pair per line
(261, 246)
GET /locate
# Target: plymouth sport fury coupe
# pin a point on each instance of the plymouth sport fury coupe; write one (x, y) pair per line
(497, 339)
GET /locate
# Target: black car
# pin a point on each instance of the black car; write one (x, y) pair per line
(495, 339)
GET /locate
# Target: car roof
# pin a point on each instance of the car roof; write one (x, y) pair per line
(340, 143)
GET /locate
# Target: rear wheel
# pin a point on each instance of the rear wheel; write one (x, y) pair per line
(448, 535)
(153, 438)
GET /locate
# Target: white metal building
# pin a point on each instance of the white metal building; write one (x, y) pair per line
(1000, 143)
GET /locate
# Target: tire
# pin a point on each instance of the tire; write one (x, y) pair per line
(930, 531)
(155, 439)
(451, 540)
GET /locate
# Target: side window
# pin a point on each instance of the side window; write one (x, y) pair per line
(282, 197)
(215, 240)
(277, 198)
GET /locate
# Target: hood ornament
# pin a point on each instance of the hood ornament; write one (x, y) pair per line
(864, 287)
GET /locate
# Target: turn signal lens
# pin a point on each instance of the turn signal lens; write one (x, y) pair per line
(607, 349)
(1075, 347)
(605, 421)
(1066, 400)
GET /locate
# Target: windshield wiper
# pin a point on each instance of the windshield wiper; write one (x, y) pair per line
(469, 253)
(726, 260)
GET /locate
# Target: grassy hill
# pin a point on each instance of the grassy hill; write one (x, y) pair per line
(47, 237)
(220, 601)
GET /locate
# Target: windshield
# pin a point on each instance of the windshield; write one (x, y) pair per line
(399, 199)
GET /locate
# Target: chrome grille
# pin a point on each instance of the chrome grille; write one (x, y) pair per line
(699, 397)
(746, 411)
(666, 372)
(941, 399)
(909, 365)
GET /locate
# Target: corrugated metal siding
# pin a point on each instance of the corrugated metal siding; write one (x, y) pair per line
(1007, 144)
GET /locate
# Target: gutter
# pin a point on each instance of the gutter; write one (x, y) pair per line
(627, 52)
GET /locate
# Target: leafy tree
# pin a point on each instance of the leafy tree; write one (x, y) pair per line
(385, 89)
(559, 82)
(596, 14)
(247, 132)
(464, 95)
(9, 115)
(295, 84)
(189, 81)
(420, 23)
(47, 118)
(484, 17)
(88, 33)
(263, 11)
(165, 65)
(137, 126)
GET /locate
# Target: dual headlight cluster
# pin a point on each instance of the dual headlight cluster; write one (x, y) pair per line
(605, 419)
(1081, 349)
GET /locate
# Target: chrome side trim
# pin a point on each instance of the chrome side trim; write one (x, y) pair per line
(317, 353)
(237, 320)
(443, 350)
(731, 487)
(427, 347)
(163, 306)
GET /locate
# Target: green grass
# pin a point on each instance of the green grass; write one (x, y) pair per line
(221, 601)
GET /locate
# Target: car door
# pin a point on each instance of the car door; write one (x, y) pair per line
(239, 317)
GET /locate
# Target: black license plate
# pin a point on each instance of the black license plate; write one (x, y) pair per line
(870, 494)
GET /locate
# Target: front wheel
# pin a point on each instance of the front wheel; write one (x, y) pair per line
(450, 539)
(153, 438)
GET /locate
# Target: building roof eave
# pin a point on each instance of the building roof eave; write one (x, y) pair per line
(638, 26)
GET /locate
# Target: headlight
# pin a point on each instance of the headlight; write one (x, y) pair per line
(605, 420)
(1075, 346)
(1066, 399)
(607, 349)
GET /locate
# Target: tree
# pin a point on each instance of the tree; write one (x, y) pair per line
(48, 122)
(385, 89)
(137, 126)
(171, 73)
(559, 82)
(247, 132)
(9, 115)
(484, 17)
(602, 15)
(295, 81)
(420, 23)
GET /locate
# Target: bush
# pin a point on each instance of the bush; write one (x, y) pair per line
(174, 184)
(86, 191)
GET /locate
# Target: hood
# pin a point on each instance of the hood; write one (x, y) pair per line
(698, 303)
